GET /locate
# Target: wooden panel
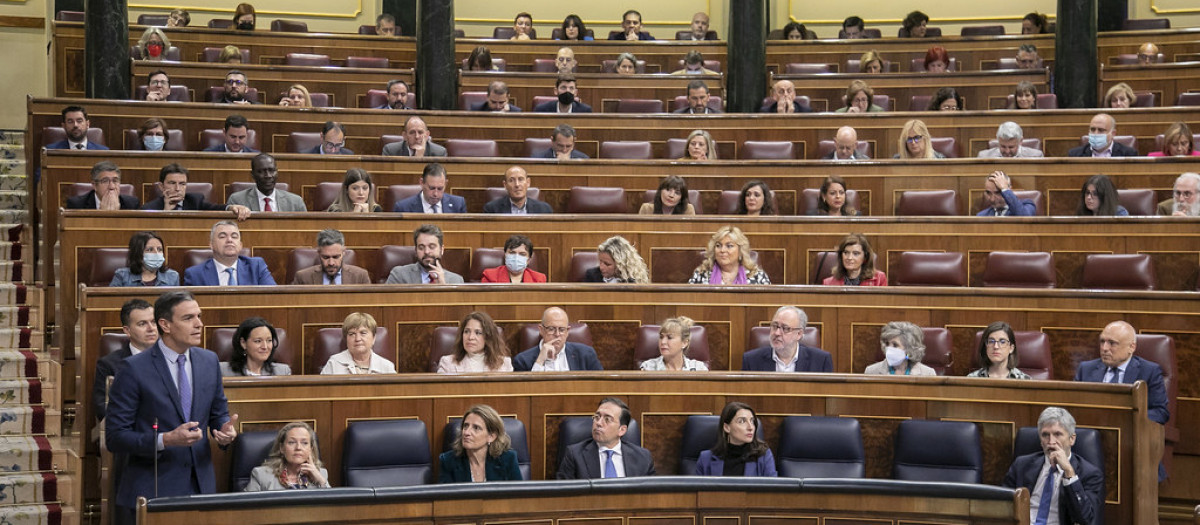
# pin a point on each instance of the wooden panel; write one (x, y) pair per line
(1166, 81)
(594, 88)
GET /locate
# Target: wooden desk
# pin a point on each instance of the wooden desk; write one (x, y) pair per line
(1166, 81)
(979, 89)
(595, 89)
(661, 56)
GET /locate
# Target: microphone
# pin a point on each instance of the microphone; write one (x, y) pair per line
(154, 445)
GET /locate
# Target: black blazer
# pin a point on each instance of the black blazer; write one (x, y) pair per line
(1118, 150)
(191, 202)
(503, 205)
(87, 201)
(106, 367)
(552, 107)
(579, 357)
(808, 359)
(457, 469)
(1079, 502)
(582, 461)
(341, 151)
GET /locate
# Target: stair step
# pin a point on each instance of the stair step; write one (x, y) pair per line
(36, 487)
(14, 137)
(30, 420)
(50, 514)
(12, 175)
(13, 199)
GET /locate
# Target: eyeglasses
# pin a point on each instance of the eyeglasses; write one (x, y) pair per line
(783, 328)
(948, 107)
(334, 145)
(235, 82)
(1185, 194)
(914, 139)
(556, 330)
(1142, 56)
(998, 343)
(159, 82)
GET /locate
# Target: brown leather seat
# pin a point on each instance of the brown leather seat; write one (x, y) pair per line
(768, 150)
(303, 141)
(918, 64)
(930, 269)
(112, 342)
(804, 68)
(693, 199)
(854, 65)
(174, 141)
(581, 262)
(1145, 99)
(199, 255)
(625, 149)
(1044, 101)
(52, 134)
(221, 342)
(368, 62)
(378, 97)
(1028, 142)
(536, 146)
(496, 193)
(235, 187)
(499, 64)
(301, 258)
(542, 99)
(221, 23)
(1138, 201)
(205, 189)
(390, 195)
(486, 258)
(810, 197)
(105, 262)
(919, 102)
(213, 54)
(507, 32)
(927, 202)
(944, 145)
(825, 264)
(985, 30)
(216, 137)
(676, 149)
(1019, 270)
(319, 100)
(389, 139)
(391, 256)
(681, 102)
(369, 29)
(1143, 24)
(1033, 353)
(1188, 99)
(610, 66)
(471, 148)
(590, 199)
(826, 147)
(330, 341)
(214, 94)
(1160, 349)
(1121, 271)
(727, 204)
(441, 343)
(289, 26)
(639, 105)
(531, 337)
(938, 348)
(326, 194)
(469, 100)
(179, 93)
(687, 35)
(545, 65)
(1125, 140)
(645, 346)
(760, 336)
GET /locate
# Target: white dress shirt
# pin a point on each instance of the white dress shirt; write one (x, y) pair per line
(617, 460)
(558, 364)
(781, 366)
(222, 275)
(1035, 497)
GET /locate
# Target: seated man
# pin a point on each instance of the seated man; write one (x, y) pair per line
(845, 146)
(568, 98)
(693, 64)
(1057, 475)
(172, 181)
(497, 99)
(75, 124)
(264, 196)
(554, 353)
(237, 86)
(1185, 203)
(106, 191)
(565, 61)
(697, 97)
(397, 95)
(1027, 57)
(1002, 202)
(1008, 138)
(228, 267)
(158, 86)
(428, 269)
(237, 136)
(700, 28)
(333, 140)
(621, 459)
(1117, 364)
(1101, 131)
(518, 202)
(433, 197)
(331, 248)
(137, 322)
(385, 25)
(853, 27)
(783, 95)
(1147, 54)
(631, 26)
(787, 353)
(562, 145)
(416, 142)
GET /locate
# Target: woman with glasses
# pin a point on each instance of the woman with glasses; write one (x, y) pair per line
(1099, 197)
(855, 264)
(915, 142)
(998, 353)
(946, 99)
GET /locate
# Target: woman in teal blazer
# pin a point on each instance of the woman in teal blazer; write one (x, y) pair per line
(481, 452)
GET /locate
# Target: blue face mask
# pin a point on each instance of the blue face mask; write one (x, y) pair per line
(154, 143)
(515, 263)
(1098, 141)
(153, 261)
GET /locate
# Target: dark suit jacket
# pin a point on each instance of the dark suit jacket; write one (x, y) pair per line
(687, 110)
(1118, 150)
(483, 106)
(1079, 502)
(808, 359)
(220, 148)
(1138, 368)
(66, 144)
(579, 357)
(191, 202)
(106, 367)
(552, 107)
(593, 275)
(341, 151)
(457, 469)
(642, 35)
(549, 154)
(400, 149)
(762, 466)
(1016, 207)
(144, 394)
(774, 106)
(87, 201)
(582, 461)
(450, 204)
(503, 205)
(315, 275)
(250, 271)
(856, 156)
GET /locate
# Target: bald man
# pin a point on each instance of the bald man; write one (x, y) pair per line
(783, 96)
(1101, 131)
(1147, 54)
(553, 352)
(1117, 364)
(845, 146)
(517, 202)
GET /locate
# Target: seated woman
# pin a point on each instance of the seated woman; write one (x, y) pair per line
(244, 17)
(619, 262)
(152, 134)
(179, 18)
(755, 199)
(480, 59)
(674, 336)
(359, 357)
(859, 99)
(903, 349)
(297, 97)
(573, 29)
(154, 44)
(832, 201)
(855, 264)
(482, 451)
(795, 31)
(1098, 196)
(700, 146)
(727, 261)
(946, 99)
(626, 64)
(670, 199)
(1024, 96)
(230, 55)
(998, 353)
(915, 142)
(738, 451)
(478, 348)
(1177, 142)
(870, 63)
(145, 265)
(358, 194)
(914, 25)
(1034, 24)
(522, 27)
(293, 463)
(937, 60)
(517, 251)
(254, 346)
(1120, 96)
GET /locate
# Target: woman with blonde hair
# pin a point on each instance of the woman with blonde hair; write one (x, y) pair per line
(230, 55)
(477, 348)
(1120, 96)
(293, 463)
(619, 262)
(358, 193)
(482, 450)
(727, 260)
(870, 63)
(359, 357)
(674, 337)
(1177, 142)
(154, 44)
(297, 97)
(915, 142)
(700, 146)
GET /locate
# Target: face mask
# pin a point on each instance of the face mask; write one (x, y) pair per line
(1098, 140)
(246, 26)
(154, 142)
(515, 263)
(153, 261)
(566, 97)
(894, 356)
(155, 50)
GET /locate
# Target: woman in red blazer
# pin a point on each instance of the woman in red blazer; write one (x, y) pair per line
(517, 251)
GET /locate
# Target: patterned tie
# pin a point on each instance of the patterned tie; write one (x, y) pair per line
(232, 276)
(267, 204)
(1044, 503)
(437, 208)
(1116, 375)
(610, 468)
(185, 389)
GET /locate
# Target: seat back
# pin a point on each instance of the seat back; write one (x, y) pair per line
(699, 434)
(939, 349)
(249, 450)
(944, 145)
(1160, 349)
(396, 193)
(581, 262)
(625, 149)
(52, 134)
(768, 150)
(645, 346)
(574, 429)
(536, 146)
(472, 148)
(1145, 24)
(213, 54)
(469, 100)
(518, 441)
(1158, 140)
(221, 23)
(1188, 99)
(919, 102)
(591, 199)
(70, 16)
(986, 30)
(368, 62)
(826, 263)
(760, 336)
(105, 262)
(545, 65)
(306, 59)
(927, 202)
(1033, 353)
(826, 147)
(330, 341)
(810, 198)
(221, 343)
(326, 194)
(1088, 445)
(378, 97)
(289, 26)
(1019, 270)
(1118, 271)
(112, 342)
(940, 451)
(441, 344)
(930, 269)
(1145, 99)
(610, 66)
(386, 453)
(1138, 201)
(391, 256)
(676, 148)
(820, 447)
(639, 105)
(369, 29)
(803, 68)
(215, 137)
(303, 141)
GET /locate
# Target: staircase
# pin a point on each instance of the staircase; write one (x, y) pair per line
(39, 465)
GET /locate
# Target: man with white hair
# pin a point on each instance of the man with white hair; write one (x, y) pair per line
(1063, 487)
(786, 353)
(1185, 202)
(1008, 138)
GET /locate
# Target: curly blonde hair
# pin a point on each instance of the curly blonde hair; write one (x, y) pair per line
(631, 268)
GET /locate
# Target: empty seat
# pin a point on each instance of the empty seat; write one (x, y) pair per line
(588, 199)
(212, 54)
(810, 197)
(699, 434)
(573, 429)
(941, 451)
(676, 149)
(626, 149)
(70, 16)
(469, 100)
(289, 26)
(1145, 99)
(1188, 99)
(944, 145)
(1138, 201)
(987, 30)
(930, 269)
(174, 141)
(801, 68)
(825, 263)
(1019, 270)
(1033, 353)
(639, 105)
(927, 202)
(610, 66)
(472, 148)
(581, 262)
(825, 147)
(939, 349)
(369, 29)
(368, 62)
(386, 453)
(820, 447)
(518, 441)
(330, 341)
(304, 141)
(545, 65)
(768, 150)
(391, 256)
(1144, 24)
(248, 451)
(1121, 271)
(306, 59)
(1160, 349)
(536, 146)
(645, 346)
(919, 102)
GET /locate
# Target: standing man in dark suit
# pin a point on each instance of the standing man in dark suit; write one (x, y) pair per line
(605, 454)
(236, 135)
(554, 353)
(1101, 131)
(433, 197)
(228, 267)
(331, 250)
(333, 140)
(562, 145)
(518, 201)
(416, 142)
(106, 191)
(137, 321)
(172, 182)
(786, 353)
(1063, 487)
(164, 405)
(697, 98)
(567, 92)
(75, 124)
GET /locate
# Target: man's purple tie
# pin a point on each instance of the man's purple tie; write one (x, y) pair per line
(185, 389)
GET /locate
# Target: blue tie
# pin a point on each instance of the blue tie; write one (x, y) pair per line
(610, 469)
(1044, 503)
(1116, 375)
(185, 389)
(232, 276)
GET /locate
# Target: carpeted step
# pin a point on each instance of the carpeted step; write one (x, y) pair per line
(15, 137)
(11, 271)
(14, 216)
(11, 251)
(34, 488)
(12, 294)
(27, 454)
(19, 338)
(10, 232)
(20, 392)
(12, 175)
(13, 200)
(49, 514)
(21, 421)
(16, 364)
(17, 317)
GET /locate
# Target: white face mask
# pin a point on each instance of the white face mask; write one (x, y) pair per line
(153, 261)
(894, 356)
(515, 263)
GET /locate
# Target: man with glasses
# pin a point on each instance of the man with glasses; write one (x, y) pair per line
(1185, 203)
(605, 454)
(237, 87)
(1001, 201)
(554, 353)
(787, 353)
(158, 86)
(106, 191)
(172, 183)
(1027, 57)
(333, 140)
(1147, 54)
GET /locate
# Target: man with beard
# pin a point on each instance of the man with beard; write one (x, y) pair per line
(237, 86)
(397, 95)
(1185, 203)
(76, 123)
(787, 353)
(331, 250)
(428, 268)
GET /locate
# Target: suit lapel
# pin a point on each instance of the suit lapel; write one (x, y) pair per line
(801, 359)
(243, 271)
(166, 375)
(573, 360)
(1132, 371)
(210, 272)
(591, 459)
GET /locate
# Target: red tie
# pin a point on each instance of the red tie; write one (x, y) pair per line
(267, 204)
